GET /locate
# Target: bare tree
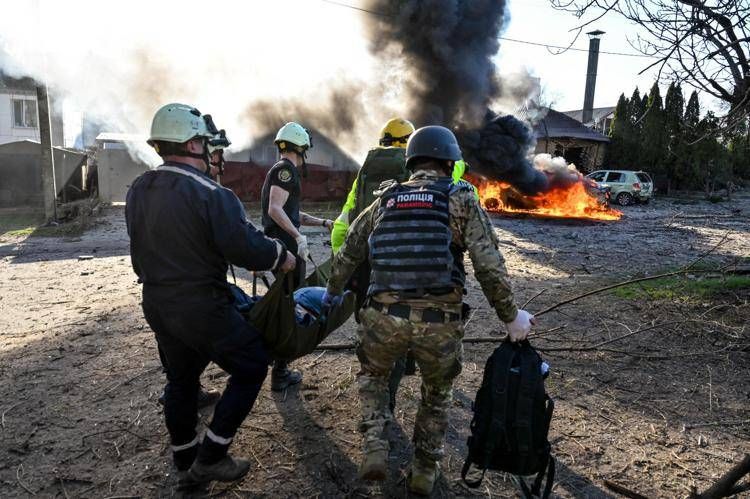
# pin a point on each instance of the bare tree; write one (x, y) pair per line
(705, 44)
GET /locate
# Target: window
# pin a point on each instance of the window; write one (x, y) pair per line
(598, 176)
(24, 113)
(615, 177)
(643, 177)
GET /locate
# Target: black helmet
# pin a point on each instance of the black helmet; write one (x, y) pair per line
(436, 142)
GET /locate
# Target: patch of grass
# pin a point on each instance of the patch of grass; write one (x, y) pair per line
(19, 223)
(684, 287)
(29, 224)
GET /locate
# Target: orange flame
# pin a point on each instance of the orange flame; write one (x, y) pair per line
(571, 201)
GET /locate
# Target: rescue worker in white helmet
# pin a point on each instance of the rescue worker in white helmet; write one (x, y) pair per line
(282, 218)
(184, 230)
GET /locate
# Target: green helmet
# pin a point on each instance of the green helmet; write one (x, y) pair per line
(180, 123)
(295, 134)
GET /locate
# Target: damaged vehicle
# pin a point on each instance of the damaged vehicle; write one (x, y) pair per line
(626, 187)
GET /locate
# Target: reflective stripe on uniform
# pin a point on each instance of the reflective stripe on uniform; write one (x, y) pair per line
(216, 438)
(192, 443)
(205, 182)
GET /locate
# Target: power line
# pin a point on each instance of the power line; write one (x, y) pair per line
(538, 44)
(354, 7)
(572, 48)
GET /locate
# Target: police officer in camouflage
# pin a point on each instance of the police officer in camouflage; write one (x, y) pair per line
(415, 235)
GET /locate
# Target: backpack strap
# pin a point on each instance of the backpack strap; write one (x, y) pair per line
(549, 469)
(530, 377)
(497, 367)
(504, 354)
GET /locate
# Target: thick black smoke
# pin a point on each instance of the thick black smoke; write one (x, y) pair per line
(500, 151)
(446, 48)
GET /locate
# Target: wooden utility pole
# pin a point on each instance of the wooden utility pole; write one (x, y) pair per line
(47, 159)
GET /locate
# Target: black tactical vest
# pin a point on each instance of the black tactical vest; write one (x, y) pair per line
(410, 246)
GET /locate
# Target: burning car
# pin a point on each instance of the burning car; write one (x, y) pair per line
(568, 194)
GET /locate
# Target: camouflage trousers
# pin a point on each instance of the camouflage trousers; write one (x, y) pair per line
(438, 351)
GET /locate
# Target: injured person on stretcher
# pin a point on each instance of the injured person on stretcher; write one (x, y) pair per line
(293, 323)
(308, 304)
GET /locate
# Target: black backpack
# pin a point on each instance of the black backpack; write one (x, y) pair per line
(512, 414)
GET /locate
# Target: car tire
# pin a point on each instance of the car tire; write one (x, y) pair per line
(624, 199)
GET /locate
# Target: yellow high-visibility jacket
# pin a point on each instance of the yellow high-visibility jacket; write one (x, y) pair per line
(341, 224)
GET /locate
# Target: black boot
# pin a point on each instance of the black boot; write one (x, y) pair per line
(227, 469)
(282, 377)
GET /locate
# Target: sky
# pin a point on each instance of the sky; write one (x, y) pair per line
(121, 63)
(564, 76)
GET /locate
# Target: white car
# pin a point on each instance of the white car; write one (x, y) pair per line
(626, 186)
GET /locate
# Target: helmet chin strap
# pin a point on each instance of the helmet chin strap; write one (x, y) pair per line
(205, 156)
(303, 166)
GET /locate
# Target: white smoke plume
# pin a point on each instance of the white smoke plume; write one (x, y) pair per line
(558, 171)
(239, 61)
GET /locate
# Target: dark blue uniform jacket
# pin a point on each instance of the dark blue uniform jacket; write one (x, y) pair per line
(184, 228)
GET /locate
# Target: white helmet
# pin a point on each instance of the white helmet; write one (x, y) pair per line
(179, 123)
(293, 133)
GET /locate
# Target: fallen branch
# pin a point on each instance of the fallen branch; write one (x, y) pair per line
(495, 339)
(131, 379)
(2, 418)
(105, 432)
(683, 270)
(20, 482)
(726, 485)
(622, 490)
(533, 298)
(666, 357)
(62, 486)
(471, 340)
(716, 423)
(607, 342)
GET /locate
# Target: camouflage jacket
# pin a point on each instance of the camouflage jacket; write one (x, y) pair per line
(471, 231)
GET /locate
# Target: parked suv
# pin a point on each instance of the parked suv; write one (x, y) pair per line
(626, 187)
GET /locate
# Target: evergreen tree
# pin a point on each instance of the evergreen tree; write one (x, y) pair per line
(711, 157)
(620, 132)
(739, 150)
(673, 111)
(653, 135)
(688, 175)
(637, 110)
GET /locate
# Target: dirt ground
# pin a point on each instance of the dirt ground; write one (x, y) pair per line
(659, 411)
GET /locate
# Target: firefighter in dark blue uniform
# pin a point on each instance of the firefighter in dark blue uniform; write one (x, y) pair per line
(184, 230)
(280, 199)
